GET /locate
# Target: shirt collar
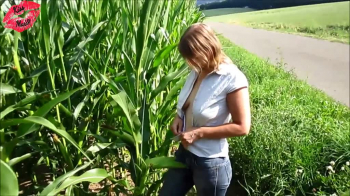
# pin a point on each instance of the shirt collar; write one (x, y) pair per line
(223, 69)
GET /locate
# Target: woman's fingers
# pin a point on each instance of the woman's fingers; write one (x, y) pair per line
(176, 127)
(184, 142)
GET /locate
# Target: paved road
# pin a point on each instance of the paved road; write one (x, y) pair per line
(323, 64)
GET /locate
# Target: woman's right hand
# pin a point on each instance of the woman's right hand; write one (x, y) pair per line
(176, 126)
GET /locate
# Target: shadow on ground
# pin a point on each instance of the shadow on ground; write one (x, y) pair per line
(235, 188)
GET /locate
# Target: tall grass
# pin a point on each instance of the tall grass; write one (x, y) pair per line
(87, 94)
(299, 142)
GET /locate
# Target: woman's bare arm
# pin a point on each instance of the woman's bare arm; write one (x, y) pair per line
(239, 105)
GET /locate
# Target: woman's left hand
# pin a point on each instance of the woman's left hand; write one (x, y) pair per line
(189, 136)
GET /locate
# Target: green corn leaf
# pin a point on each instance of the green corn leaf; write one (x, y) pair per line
(51, 187)
(11, 122)
(124, 136)
(164, 162)
(164, 149)
(82, 44)
(165, 81)
(69, 190)
(99, 11)
(92, 60)
(114, 87)
(31, 98)
(79, 42)
(142, 31)
(29, 128)
(178, 8)
(93, 176)
(122, 182)
(7, 148)
(16, 160)
(71, 39)
(45, 27)
(162, 54)
(166, 15)
(42, 121)
(8, 181)
(123, 101)
(173, 91)
(2, 71)
(129, 68)
(346, 193)
(145, 128)
(112, 48)
(155, 185)
(96, 101)
(98, 146)
(98, 35)
(153, 19)
(164, 108)
(126, 23)
(82, 104)
(135, 170)
(6, 89)
(80, 107)
(37, 72)
(91, 35)
(150, 72)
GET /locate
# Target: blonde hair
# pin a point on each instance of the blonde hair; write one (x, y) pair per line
(200, 47)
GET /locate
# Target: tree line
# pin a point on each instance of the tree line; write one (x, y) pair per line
(262, 4)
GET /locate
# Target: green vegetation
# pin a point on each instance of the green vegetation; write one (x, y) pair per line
(326, 21)
(262, 4)
(225, 11)
(87, 95)
(296, 132)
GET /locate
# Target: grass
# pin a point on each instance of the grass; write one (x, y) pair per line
(328, 21)
(296, 132)
(225, 11)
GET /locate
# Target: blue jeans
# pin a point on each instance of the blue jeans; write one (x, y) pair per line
(211, 176)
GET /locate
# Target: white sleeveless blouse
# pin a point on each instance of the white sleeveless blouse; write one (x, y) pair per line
(208, 106)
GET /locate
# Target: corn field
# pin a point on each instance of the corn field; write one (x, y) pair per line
(87, 95)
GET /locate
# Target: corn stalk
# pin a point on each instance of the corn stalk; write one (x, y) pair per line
(88, 85)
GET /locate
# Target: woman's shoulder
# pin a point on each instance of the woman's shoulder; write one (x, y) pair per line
(235, 78)
(230, 69)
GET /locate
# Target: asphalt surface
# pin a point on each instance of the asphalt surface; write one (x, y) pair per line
(322, 64)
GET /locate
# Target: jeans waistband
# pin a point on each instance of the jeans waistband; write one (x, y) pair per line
(189, 154)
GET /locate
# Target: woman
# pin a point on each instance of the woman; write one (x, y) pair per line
(213, 105)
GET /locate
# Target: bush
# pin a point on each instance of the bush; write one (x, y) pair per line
(296, 133)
